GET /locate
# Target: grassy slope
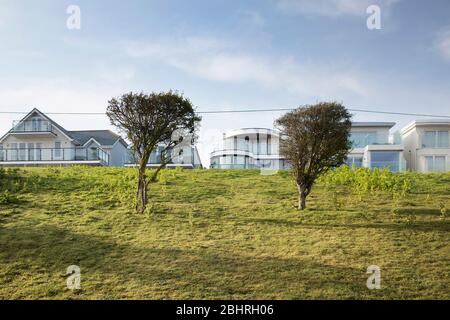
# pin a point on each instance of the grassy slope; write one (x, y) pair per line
(217, 234)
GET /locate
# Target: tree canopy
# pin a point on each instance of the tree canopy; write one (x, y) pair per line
(152, 120)
(314, 139)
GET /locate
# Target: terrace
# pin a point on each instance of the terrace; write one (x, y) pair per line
(31, 155)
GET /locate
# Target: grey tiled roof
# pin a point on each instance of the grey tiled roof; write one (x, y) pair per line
(104, 137)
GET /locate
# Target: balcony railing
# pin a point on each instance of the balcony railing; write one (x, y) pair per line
(394, 166)
(363, 140)
(234, 166)
(54, 154)
(32, 126)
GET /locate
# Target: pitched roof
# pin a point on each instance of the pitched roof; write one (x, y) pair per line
(104, 137)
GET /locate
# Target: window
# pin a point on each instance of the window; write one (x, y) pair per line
(31, 151)
(435, 163)
(385, 159)
(2, 155)
(363, 138)
(355, 161)
(442, 139)
(22, 151)
(13, 155)
(435, 139)
(38, 151)
(247, 143)
(57, 149)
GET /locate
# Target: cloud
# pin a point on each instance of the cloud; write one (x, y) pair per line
(253, 17)
(443, 44)
(215, 60)
(332, 7)
(57, 95)
(115, 73)
(7, 12)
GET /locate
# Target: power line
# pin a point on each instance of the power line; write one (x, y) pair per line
(248, 111)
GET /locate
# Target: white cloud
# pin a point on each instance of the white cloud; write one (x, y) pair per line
(443, 44)
(211, 59)
(253, 17)
(332, 7)
(7, 12)
(115, 73)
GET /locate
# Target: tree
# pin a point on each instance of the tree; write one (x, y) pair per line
(314, 139)
(149, 121)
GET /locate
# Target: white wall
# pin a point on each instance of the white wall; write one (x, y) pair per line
(415, 153)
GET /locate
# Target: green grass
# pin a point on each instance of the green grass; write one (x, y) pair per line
(218, 235)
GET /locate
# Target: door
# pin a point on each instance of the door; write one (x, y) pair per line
(38, 152)
(23, 152)
(57, 154)
(93, 153)
(31, 151)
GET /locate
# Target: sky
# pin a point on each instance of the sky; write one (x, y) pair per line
(222, 54)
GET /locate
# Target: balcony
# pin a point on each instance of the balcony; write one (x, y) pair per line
(394, 166)
(234, 166)
(54, 156)
(362, 139)
(32, 128)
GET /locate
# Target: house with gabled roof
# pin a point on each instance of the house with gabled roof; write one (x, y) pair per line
(38, 140)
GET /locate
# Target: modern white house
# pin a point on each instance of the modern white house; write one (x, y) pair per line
(427, 147)
(185, 156)
(375, 147)
(248, 148)
(37, 140)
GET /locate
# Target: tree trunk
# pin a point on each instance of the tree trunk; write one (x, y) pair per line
(302, 194)
(141, 194)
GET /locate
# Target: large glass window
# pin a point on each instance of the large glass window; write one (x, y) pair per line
(13, 152)
(435, 163)
(57, 149)
(435, 139)
(22, 151)
(385, 159)
(354, 161)
(363, 138)
(442, 139)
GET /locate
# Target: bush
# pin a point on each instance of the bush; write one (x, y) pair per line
(7, 198)
(365, 180)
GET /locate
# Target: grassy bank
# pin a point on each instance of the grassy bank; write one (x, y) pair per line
(220, 235)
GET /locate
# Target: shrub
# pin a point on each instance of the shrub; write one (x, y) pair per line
(7, 198)
(365, 180)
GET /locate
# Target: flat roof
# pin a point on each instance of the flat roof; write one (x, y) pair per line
(373, 124)
(425, 122)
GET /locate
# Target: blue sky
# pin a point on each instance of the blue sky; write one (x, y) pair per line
(225, 55)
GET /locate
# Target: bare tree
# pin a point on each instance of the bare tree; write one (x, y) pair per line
(315, 139)
(152, 120)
